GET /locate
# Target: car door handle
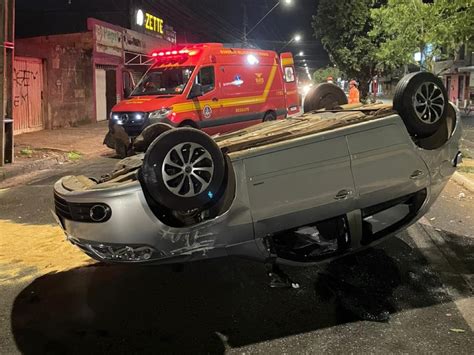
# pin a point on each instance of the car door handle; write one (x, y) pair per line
(416, 174)
(343, 194)
(215, 99)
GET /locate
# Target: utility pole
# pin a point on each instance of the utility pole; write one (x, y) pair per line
(7, 38)
(245, 24)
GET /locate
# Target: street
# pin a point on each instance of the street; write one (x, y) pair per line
(237, 177)
(410, 294)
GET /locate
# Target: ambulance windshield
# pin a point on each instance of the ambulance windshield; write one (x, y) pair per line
(164, 81)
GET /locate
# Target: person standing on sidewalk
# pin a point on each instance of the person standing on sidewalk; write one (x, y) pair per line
(353, 92)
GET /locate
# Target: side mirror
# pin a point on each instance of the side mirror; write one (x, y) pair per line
(196, 91)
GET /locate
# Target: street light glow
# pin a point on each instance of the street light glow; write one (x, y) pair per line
(297, 38)
(288, 2)
(301, 53)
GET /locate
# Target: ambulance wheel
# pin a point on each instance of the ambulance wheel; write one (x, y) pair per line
(149, 134)
(422, 102)
(183, 169)
(326, 95)
(269, 116)
(121, 150)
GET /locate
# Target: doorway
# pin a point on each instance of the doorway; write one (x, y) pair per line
(105, 90)
(27, 95)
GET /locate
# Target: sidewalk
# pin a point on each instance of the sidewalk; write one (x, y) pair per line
(44, 149)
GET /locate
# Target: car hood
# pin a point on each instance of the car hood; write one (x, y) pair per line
(145, 103)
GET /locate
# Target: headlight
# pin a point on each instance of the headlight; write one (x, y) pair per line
(116, 118)
(160, 114)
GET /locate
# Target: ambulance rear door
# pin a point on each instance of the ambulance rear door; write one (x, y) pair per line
(290, 83)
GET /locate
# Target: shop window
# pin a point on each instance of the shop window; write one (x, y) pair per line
(289, 74)
(206, 78)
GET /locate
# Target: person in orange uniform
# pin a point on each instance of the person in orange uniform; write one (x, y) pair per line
(353, 92)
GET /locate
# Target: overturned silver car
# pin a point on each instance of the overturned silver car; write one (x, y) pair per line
(294, 191)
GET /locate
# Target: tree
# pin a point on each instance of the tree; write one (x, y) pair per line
(342, 27)
(456, 25)
(406, 27)
(321, 75)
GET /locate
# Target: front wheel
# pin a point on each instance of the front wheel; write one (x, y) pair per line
(183, 169)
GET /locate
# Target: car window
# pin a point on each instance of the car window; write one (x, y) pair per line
(289, 74)
(206, 78)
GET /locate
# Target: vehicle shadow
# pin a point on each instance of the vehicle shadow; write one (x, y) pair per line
(211, 306)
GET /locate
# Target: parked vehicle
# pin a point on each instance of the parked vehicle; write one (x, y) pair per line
(207, 86)
(295, 191)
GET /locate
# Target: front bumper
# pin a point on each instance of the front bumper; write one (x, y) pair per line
(133, 233)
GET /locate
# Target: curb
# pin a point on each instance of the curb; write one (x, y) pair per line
(465, 182)
(41, 164)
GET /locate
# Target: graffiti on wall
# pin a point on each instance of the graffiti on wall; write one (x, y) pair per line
(22, 79)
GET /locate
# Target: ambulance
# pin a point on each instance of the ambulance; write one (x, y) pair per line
(209, 87)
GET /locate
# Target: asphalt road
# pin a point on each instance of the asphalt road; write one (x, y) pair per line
(410, 294)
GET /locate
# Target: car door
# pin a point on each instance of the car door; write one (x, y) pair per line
(299, 184)
(385, 164)
(207, 106)
(290, 84)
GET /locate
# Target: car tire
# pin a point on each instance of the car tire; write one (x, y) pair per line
(422, 102)
(148, 135)
(326, 95)
(269, 116)
(121, 150)
(183, 169)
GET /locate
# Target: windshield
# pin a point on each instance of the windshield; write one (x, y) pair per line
(164, 81)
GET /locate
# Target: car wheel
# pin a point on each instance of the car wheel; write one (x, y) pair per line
(269, 116)
(326, 95)
(422, 102)
(121, 150)
(183, 169)
(148, 135)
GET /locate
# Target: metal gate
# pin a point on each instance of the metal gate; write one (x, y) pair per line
(27, 95)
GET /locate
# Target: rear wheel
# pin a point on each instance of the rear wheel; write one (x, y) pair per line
(326, 95)
(183, 169)
(422, 102)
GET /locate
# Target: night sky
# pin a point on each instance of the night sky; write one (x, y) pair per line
(194, 20)
(278, 28)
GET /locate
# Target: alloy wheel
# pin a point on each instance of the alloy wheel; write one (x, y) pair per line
(429, 103)
(187, 169)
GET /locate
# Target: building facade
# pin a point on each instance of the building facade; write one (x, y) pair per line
(458, 77)
(69, 79)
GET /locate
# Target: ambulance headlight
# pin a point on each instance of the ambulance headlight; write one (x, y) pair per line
(160, 114)
(116, 118)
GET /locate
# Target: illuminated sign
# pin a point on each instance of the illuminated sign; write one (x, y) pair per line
(150, 22)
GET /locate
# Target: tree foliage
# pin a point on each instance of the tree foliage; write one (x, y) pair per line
(455, 25)
(321, 75)
(405, 27)
(342, 27)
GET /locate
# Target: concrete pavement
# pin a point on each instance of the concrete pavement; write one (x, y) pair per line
(37, 151)
(55, 300)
